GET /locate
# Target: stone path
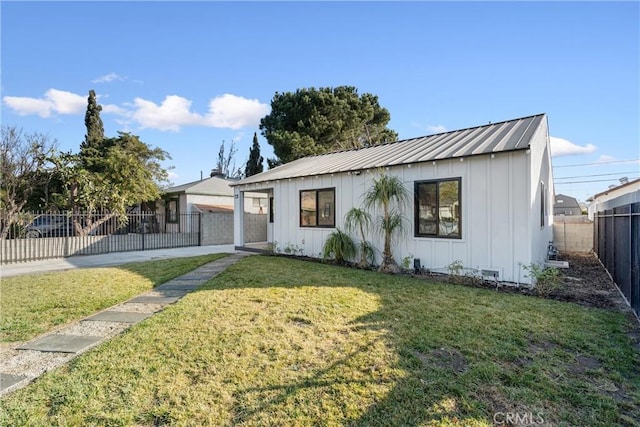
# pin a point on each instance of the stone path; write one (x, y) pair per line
(29, 360)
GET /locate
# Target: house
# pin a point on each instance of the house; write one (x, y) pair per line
(212, 201)
(616, 215)
(566, 205)
(615, 195)
(481, 196)
(213, 192)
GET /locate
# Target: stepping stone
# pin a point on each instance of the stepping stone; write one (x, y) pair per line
(118, 316)
(189, 278)
(143, 299)
(178, 287)
(8, 380)
(58, 343)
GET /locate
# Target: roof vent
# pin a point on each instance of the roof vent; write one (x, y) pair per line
(624, 180)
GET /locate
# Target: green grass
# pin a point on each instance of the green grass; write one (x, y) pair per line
(35, 303)
(275, 341)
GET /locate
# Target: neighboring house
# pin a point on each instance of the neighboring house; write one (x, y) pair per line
(616, 215)
(626, 192)
(481, 196)
(214, 192)
(211, 195)
(566, 205)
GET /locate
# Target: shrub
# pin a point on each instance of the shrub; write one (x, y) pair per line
(339, 246)
(546, 279)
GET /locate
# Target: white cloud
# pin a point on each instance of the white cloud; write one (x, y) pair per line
(26, 106)
(436, 128)
(562, 147)
(226, 111)
(108, 78)
(235, 112)
(114, 109)
(54, 101)
(606, 159)
(172, 114)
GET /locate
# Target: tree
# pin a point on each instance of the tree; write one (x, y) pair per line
(127, 173)
(315, 121)
(389, 194)
(226, 165)
(255, 163)
(359, 220)
(91, 147)
(23, 160)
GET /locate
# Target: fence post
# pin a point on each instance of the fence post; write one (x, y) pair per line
(142, 226)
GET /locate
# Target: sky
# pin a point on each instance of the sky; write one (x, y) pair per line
(188, 76)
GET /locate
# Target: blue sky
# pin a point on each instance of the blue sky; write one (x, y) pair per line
(185, 76)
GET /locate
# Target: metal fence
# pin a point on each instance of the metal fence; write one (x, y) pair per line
(617, 244)
(41, 235)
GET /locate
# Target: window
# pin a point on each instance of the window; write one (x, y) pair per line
(317, 208)
(437, 208)
(270, 209)
(172, 206)
(259, 202)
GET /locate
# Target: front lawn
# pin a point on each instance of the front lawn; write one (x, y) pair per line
(32, 304)
(275, 341)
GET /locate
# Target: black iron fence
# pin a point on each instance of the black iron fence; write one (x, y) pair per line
(617, 244)
(32, 236)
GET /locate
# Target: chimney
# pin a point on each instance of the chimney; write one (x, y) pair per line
(216, 172)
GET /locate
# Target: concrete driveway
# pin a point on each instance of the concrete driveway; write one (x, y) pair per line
(102, 260)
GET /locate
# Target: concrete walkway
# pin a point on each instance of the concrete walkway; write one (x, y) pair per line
(104, 260)
(31, 359)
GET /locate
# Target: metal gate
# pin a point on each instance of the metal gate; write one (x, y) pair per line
(45, 235)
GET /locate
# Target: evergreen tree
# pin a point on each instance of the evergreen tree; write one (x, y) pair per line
(93, 145)
(255, 162)
(314, 121)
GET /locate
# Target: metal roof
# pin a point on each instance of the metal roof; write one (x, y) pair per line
(509, 135)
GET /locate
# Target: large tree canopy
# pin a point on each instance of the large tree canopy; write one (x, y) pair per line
(127, 172)
(315, 121)
(23, 174)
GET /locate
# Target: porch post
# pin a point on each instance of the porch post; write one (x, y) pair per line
(238, 218)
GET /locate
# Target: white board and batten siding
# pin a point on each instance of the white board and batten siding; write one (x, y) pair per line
(500, 209)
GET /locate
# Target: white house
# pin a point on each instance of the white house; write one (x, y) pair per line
(626, 192)
(213, 194)
(482, 196)
(207, 206)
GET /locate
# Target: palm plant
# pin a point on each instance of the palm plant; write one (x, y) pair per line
(360, 220)
(389, 194)
(339, 246)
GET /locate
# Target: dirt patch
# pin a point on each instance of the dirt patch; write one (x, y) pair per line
(587, 283)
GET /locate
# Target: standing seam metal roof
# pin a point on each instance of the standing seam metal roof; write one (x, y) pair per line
(509, 135)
